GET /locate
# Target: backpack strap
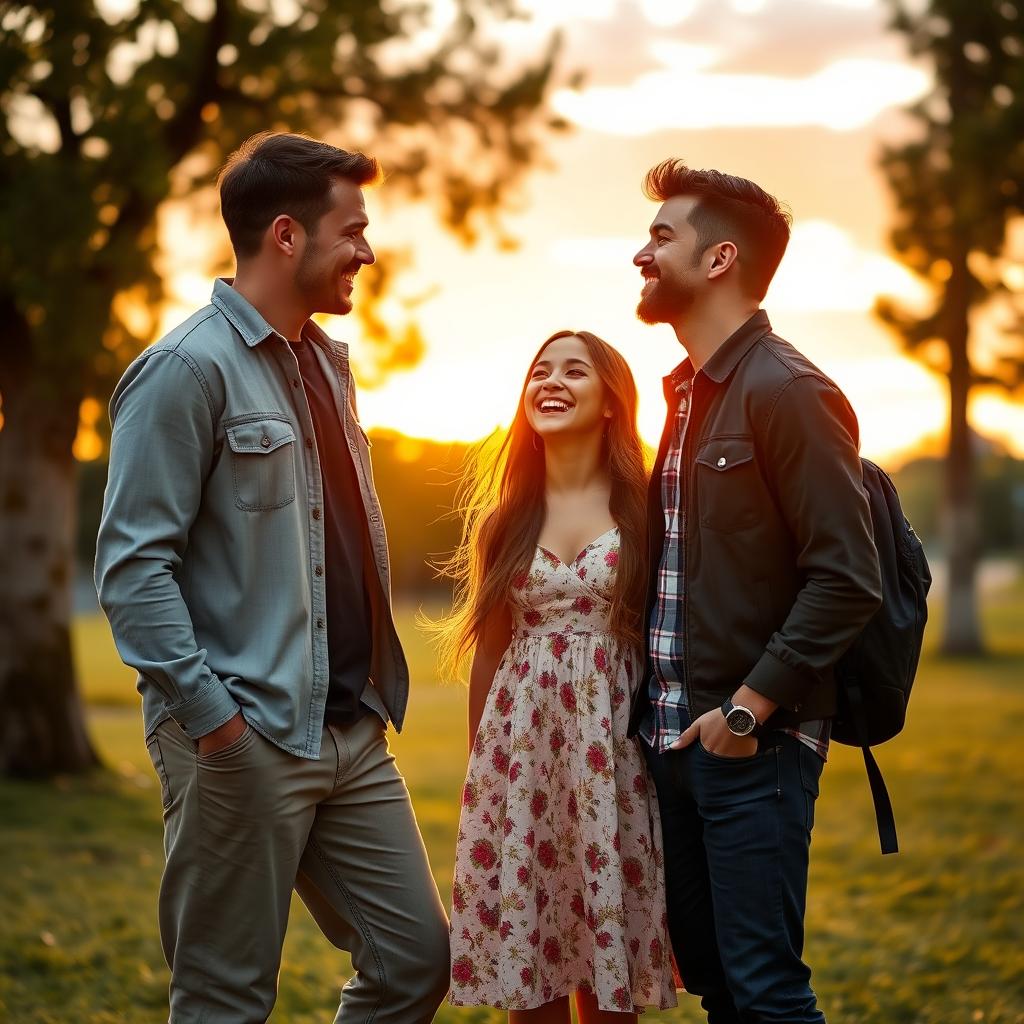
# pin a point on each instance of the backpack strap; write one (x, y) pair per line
(885, 819)
(884, 816)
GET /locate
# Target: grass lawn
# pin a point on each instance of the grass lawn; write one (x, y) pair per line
(934, 935)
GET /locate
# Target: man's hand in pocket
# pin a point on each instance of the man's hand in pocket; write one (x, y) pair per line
(223, 736)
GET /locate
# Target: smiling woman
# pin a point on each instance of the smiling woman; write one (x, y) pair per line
(505, 492)
(564, 393)
(550, 580)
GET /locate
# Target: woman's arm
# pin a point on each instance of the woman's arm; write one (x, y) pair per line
(494, 640)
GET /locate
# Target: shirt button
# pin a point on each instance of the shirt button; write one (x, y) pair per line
(319, 570)
(721, 462)
(309, 442)
(295, 383)
(319, 623)
(265, 441)
(315, 513)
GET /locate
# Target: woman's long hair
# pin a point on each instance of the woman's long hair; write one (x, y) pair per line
(501, 497)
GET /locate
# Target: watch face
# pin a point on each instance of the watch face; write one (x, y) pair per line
(740, 721)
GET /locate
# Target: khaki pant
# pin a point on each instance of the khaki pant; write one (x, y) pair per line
(246, 825)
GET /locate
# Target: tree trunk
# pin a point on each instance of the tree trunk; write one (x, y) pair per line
(42, 727)
(962, 634)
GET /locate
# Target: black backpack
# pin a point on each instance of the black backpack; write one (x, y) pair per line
(877, 671)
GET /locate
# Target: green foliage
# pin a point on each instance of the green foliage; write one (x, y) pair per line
(931, 936)
(108, 109)
(999, 482)
(959, 182)
(108, 116)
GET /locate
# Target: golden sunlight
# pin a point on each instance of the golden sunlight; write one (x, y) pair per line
(687, 94)
(88, 445)
(578, 223)
(994, 415)
(825, 270)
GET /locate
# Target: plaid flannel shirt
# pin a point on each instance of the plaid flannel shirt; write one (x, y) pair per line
(669, 715)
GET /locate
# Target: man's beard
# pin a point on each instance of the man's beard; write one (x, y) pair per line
(318, 284)
(307, 279)
(663, 303)
(310, 277)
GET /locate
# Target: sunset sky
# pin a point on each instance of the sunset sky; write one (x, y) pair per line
(797, 94)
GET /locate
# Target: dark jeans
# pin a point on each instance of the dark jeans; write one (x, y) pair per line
(737, 833)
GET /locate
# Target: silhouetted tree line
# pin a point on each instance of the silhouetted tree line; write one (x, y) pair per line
(416, 483)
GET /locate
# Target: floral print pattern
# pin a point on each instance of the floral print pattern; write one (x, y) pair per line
(559, 882)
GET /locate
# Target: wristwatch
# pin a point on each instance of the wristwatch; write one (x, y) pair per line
(740, 720)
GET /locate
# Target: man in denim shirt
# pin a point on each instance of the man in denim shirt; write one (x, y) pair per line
(243, 565)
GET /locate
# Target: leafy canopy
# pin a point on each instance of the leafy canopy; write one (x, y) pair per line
(112, 107)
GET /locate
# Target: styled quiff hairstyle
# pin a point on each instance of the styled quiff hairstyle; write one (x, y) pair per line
(276, 172)
(728, 209)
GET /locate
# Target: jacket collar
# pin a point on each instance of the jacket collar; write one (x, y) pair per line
(670, 383)
(726, 357)
(736, 346)
(244, 316)
(249, 322)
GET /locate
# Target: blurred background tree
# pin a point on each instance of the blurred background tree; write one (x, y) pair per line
(959, 191)
(112, 108)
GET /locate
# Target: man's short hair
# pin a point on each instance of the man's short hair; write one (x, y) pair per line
(728, 209)
(278, 172)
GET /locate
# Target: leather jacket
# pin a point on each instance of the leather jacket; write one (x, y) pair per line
(780, 571)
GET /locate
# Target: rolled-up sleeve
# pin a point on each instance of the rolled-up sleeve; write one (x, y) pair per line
(161, 450)
(812, 454)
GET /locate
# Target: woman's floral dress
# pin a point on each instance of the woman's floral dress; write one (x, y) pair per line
(559, 881)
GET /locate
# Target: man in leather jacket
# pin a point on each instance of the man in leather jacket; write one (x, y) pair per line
(762, 571)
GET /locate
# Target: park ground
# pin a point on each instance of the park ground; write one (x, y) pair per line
(934, 935)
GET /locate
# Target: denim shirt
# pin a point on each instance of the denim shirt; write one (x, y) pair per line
(210, 556)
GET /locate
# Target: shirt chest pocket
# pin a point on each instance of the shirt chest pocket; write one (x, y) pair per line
(727, 484)
(262, 461)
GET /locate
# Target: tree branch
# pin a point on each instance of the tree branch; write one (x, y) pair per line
(184, 129)
(60, 107)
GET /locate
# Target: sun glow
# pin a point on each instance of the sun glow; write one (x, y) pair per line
(824, 269)
(993, 415)
(688, 95)
(469, 382)
(88, 445)
(579, 221)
